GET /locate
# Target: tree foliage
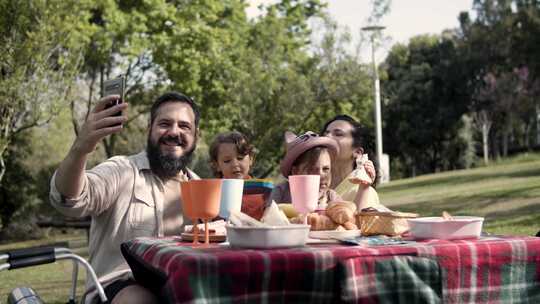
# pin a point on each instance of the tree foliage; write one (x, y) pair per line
(426, 101)
(40, 45)
(261, 76)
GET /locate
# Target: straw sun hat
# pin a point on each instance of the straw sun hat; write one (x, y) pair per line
(296, 145)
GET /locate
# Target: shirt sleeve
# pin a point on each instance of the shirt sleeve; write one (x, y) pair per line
(100, 190)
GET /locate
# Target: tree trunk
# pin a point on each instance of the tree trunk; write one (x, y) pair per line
(526, 140)
(505, 136)
(485, 141)
(538, 124)
(2, 168)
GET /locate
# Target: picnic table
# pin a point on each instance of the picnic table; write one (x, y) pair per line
(485, 270)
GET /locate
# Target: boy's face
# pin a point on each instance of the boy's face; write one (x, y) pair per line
(231, 164)
(322, 167)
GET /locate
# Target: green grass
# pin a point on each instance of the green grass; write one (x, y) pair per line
(506, 193)
(51, 281)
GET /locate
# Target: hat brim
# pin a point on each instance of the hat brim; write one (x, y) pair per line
(287, 162)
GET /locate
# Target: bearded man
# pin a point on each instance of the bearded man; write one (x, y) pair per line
(128, 196)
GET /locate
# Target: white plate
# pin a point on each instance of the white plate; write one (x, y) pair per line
(333, 234)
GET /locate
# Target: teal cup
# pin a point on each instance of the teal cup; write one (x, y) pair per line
(231, 197)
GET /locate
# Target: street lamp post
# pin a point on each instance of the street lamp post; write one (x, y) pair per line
(376, 87)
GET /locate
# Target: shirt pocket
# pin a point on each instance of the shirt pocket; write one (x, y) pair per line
(142, 212)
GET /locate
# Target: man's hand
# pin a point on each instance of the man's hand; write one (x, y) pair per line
(100, 123)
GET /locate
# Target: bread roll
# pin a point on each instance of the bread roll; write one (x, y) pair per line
(341, 212)
(320, 222)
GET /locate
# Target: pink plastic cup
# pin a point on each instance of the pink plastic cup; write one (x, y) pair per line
(304, 192)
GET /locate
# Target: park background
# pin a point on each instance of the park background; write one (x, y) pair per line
(459, 107)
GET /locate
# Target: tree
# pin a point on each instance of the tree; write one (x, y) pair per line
(40, 49)
(501, 51)
(426, 102)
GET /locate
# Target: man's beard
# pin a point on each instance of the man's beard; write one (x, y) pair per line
(167, 166)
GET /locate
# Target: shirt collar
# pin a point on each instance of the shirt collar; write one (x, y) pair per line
(141, 161)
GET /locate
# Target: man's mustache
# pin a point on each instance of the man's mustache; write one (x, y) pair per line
(175, 140)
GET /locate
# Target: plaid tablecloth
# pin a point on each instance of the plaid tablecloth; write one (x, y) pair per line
(489, 270)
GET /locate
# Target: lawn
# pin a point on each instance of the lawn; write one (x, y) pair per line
(51, 281)
(506, 193)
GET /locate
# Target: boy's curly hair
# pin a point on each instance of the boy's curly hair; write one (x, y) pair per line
(243, 147)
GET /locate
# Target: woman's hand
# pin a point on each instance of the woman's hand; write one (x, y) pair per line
(370, 170)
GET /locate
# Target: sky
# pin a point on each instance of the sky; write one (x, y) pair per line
(407, 18)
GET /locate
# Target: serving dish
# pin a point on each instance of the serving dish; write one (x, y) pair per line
(458, 227)
(292, 235)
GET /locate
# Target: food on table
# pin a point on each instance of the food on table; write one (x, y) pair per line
(216, 227)
(271, 217)
(216, 231)
(339, 215)
(321, 222)
(274, 216)
(341, 212)
(241, 219)
(350, 226)
(289, 210)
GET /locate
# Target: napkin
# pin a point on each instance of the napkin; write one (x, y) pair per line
(273, 216)
(359, 175)
(241, 219)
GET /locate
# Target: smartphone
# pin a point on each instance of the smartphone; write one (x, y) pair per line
(114, 86)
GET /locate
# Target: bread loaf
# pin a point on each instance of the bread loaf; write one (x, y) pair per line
(341, 212)
(320, 222)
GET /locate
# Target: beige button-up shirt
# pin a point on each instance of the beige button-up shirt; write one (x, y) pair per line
(125, 200)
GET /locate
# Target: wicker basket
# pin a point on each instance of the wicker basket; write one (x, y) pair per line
(388, 223)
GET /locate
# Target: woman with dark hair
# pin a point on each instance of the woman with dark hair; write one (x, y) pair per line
(355, 143)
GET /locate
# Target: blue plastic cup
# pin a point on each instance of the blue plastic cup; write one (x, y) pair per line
(231, 197)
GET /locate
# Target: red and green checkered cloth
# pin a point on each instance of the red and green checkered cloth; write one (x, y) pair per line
(492, 270)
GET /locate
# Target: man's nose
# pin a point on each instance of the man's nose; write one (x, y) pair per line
(174, 130)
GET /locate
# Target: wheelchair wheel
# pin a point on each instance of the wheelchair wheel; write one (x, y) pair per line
(24, 295)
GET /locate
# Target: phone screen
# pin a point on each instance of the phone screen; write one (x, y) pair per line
(114, 87)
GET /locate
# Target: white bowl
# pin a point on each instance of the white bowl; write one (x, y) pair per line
(459, 227)
(292, 235)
